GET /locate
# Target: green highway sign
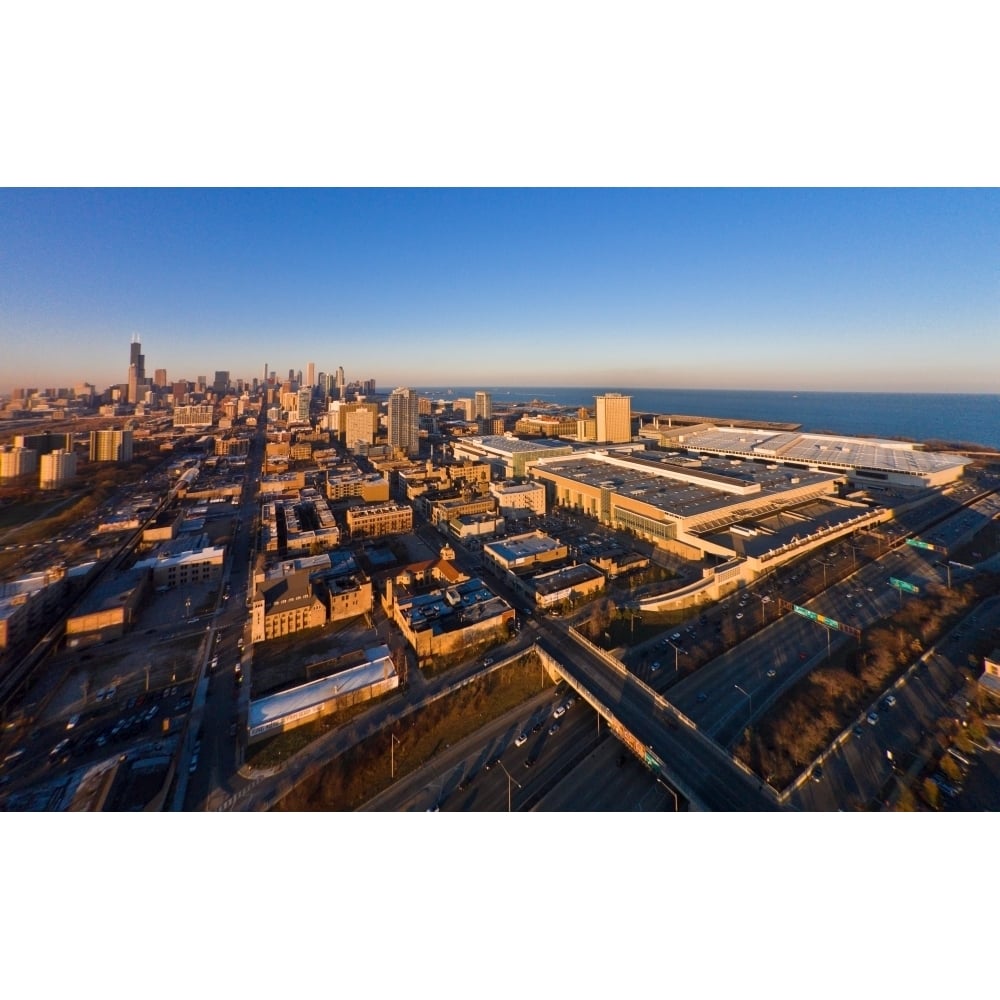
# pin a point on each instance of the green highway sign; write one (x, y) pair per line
(813, 616)
(918, 544)
(903, 585)
(652, 762)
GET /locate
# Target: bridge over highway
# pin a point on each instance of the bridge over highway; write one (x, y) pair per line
(668, 742)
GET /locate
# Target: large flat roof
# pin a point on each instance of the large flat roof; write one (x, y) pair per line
(822, 449)
(502, 444)
(683, 491)
(525, 546)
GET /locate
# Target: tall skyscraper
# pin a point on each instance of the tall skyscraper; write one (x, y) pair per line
(221, 384)
(136, 369)
(614, 418)
(404, 421)
(160, 378)
(484, 406)
(311, 374)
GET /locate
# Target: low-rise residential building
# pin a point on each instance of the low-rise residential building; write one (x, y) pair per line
(476, 525)
(181, 565)
(380, 519)
(447, 620)
(345, 482)
(440, 510)
(514, 499)
(308, 592)
(109, 610)
(522, 552)
(545, 425)
(27, 606)
(989, 680)
(566, 585)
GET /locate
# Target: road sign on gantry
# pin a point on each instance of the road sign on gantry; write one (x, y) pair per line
(903, 585)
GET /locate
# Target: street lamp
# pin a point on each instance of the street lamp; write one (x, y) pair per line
(672, 792)
(392, 755)
(509, 780)
(677, 651)
(749, 696)
(764, 600)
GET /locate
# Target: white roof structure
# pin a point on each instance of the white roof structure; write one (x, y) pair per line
(268, 712)
(826, 451)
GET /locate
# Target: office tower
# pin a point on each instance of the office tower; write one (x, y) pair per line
(221, 384)
(136, 369)
(311, 374)
(201, 383)
(111, 446)
(484, 406)
(56, 469)
(614, 418)
(160, 378)
(404, 421)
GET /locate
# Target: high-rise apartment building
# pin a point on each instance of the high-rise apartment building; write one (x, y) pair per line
(484, 406)
(16, 462)
(56, 469)
(614, 418)
(404, 421)
(45, 442)
(111, 446)
(302, 407)
(360, 424)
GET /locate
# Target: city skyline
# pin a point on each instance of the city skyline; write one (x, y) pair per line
(880, 290)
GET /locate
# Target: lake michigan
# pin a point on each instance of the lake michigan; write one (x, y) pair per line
(954, 417)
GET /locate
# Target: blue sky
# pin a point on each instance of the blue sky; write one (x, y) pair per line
(853, 289)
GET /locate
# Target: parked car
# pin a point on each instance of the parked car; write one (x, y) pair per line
(521, 739)
(872, 718)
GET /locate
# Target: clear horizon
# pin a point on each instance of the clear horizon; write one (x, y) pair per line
(756, 289)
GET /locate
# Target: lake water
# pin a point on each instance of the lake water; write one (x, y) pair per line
(953, 417)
